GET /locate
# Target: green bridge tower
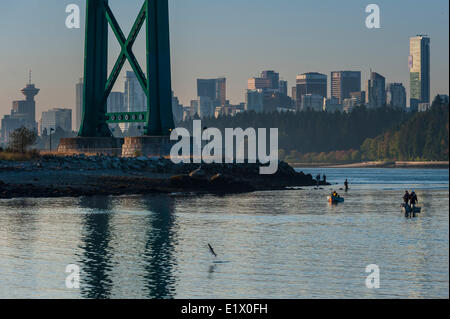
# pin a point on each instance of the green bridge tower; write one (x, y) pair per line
(156, 81)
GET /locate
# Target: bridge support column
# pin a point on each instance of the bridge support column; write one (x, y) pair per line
(93, 122)
(156, 83)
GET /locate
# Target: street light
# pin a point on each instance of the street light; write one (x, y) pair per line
(51, 130)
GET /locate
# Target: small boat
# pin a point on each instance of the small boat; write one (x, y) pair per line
(407, 210)
(335, 200)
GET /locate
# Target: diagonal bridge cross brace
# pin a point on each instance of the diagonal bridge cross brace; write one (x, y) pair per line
(126, 52)
(156, 82)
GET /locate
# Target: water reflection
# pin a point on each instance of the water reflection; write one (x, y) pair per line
(97, 253)
(102, 238)
(287, 244)
(158, 257)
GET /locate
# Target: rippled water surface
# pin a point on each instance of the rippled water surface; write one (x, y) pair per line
(283, 244)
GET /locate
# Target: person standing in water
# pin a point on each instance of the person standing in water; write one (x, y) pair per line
(346, 185)
(413, 200)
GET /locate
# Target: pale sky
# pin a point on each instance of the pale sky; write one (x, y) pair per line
(234, 38)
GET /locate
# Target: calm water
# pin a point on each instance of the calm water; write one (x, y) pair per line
(284, 244)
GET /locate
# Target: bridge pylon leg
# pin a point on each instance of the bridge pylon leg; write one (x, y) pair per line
(159, 98)
(93, 122)
(158, 120)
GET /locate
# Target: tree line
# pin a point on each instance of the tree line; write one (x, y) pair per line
(307, 132)
(423, 137)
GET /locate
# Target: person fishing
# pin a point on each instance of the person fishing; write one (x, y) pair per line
(406, 198)
(346, 185)
(413, 200)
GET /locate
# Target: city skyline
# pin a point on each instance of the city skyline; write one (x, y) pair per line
(316, 50)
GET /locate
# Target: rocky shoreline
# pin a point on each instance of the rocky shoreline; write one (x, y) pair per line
(73, 176)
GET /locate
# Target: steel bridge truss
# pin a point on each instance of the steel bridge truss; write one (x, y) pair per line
(156, 82)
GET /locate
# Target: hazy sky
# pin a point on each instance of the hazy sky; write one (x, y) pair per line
(233, 38)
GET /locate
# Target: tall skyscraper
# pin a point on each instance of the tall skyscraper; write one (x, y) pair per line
(343, 83)
(273, 77)
(396, 95)
(259, 84)
(78, 103)
(311, 83)
(269, 80)
(419, 66)
(214, 89)
(134, 96)
(134, 100)
(376, 90)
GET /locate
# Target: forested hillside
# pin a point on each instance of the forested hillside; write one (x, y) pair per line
(306, 132)
(423, 137)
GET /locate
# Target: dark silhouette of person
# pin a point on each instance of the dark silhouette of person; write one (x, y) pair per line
(346, 185)
(406, 197)
(413, 200)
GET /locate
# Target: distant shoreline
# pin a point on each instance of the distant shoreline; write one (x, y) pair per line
(379, 164)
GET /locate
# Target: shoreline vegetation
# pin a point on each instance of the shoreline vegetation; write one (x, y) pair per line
(364, 135)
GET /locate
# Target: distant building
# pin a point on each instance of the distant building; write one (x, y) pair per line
(274, 79)
(396, 95)
(203, 106)
(332, 105)
(135, 99)
(350, 104)
(259, 84)
(116, 102)
(444, 98)
(189, 111)
(229, 110)
(360, 96)
(294, 94)
(55, 118)
(419, 67)
(23, 113)
(423, 107)
(78, 104)
(268, 81)
(284, 88)
(214, 89)
(313, 102)
(177, 109)
(311, 83)
(376, 90)
(254, 101)
(285, 109)
(343, 83)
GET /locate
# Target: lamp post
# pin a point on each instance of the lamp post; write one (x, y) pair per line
(51, 130)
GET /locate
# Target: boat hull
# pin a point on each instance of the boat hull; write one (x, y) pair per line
(335, 200)
(407, 210)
